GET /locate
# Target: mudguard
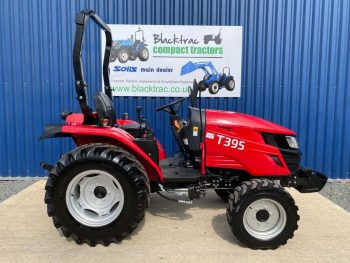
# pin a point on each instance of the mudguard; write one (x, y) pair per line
(53, 131)
(89, 134)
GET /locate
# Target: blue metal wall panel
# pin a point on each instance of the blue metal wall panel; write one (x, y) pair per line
(295, 71)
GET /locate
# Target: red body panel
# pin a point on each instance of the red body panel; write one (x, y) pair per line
(124, 122)
(83, 134)
(234, 141)
(236, 119)
(75, 119)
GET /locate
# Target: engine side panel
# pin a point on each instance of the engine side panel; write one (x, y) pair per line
(244, 149)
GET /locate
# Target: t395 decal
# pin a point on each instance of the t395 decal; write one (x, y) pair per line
(226, 141)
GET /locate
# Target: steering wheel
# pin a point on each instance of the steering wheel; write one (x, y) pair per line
(170, 105)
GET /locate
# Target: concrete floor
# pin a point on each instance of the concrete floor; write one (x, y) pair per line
(172, 232)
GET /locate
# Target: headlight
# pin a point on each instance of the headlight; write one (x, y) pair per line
(292, 142)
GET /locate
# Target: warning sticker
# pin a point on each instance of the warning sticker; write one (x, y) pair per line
(195, 131)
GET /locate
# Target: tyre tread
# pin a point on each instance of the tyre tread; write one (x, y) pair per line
(235, 200)
(118, 156)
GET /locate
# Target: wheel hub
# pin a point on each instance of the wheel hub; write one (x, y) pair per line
(94, 198)
(264, 219)
(100, 192)
(262, 215)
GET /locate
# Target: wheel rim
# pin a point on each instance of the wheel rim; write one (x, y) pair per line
(231, 84)
(94, 198)
(264, 219)
(215, 87)
(145, 53)
(124, 56)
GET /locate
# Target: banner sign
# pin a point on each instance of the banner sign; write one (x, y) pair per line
(163, 61)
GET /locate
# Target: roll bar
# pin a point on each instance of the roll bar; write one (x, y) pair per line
(80, 84)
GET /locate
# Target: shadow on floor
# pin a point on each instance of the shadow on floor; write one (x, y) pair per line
(178, 211)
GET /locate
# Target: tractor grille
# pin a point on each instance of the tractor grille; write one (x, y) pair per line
(290, 155)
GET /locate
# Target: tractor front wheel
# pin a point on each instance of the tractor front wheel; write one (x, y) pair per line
(202, 86)
(123, 55)
(230, 84)
(143, 54)
(214, 87)
(97, 193)
(262, 215)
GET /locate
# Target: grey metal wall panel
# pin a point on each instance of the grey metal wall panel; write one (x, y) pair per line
(295, 71)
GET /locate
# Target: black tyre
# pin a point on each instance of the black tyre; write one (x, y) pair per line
(123, 55)
(262, 215)
(143, 54)
(217, 40)
(202, 86)
(97, 193)
(112, 58)
(230, 84)
(132, 58)
(214, 87)
(223, 194)
(114, 53)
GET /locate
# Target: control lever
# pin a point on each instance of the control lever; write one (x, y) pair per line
(138, 113)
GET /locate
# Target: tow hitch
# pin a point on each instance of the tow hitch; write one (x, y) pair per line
(306, 181)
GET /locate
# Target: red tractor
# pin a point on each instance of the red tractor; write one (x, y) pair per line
(99, 191)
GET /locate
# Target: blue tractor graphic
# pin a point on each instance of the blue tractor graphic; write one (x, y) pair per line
(130, 49)
(212, 80)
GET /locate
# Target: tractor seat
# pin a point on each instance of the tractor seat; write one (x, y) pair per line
(105, 110)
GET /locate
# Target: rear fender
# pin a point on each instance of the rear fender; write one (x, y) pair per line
(88, 134)
(53, 131)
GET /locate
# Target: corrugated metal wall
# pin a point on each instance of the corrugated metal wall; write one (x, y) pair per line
(295, 71)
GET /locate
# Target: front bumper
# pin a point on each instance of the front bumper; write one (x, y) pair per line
(306, 180)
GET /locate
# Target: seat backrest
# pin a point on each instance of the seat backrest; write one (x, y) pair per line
(104, 108)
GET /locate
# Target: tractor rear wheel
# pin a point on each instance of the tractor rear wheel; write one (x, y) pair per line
(123, 55)
(230, 84)
(112, 58)
(214, 87)
(97, 193)
(143, 54)
(262, 215)
(217, 40)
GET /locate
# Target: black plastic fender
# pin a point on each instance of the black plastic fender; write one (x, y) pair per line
(53, 131)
